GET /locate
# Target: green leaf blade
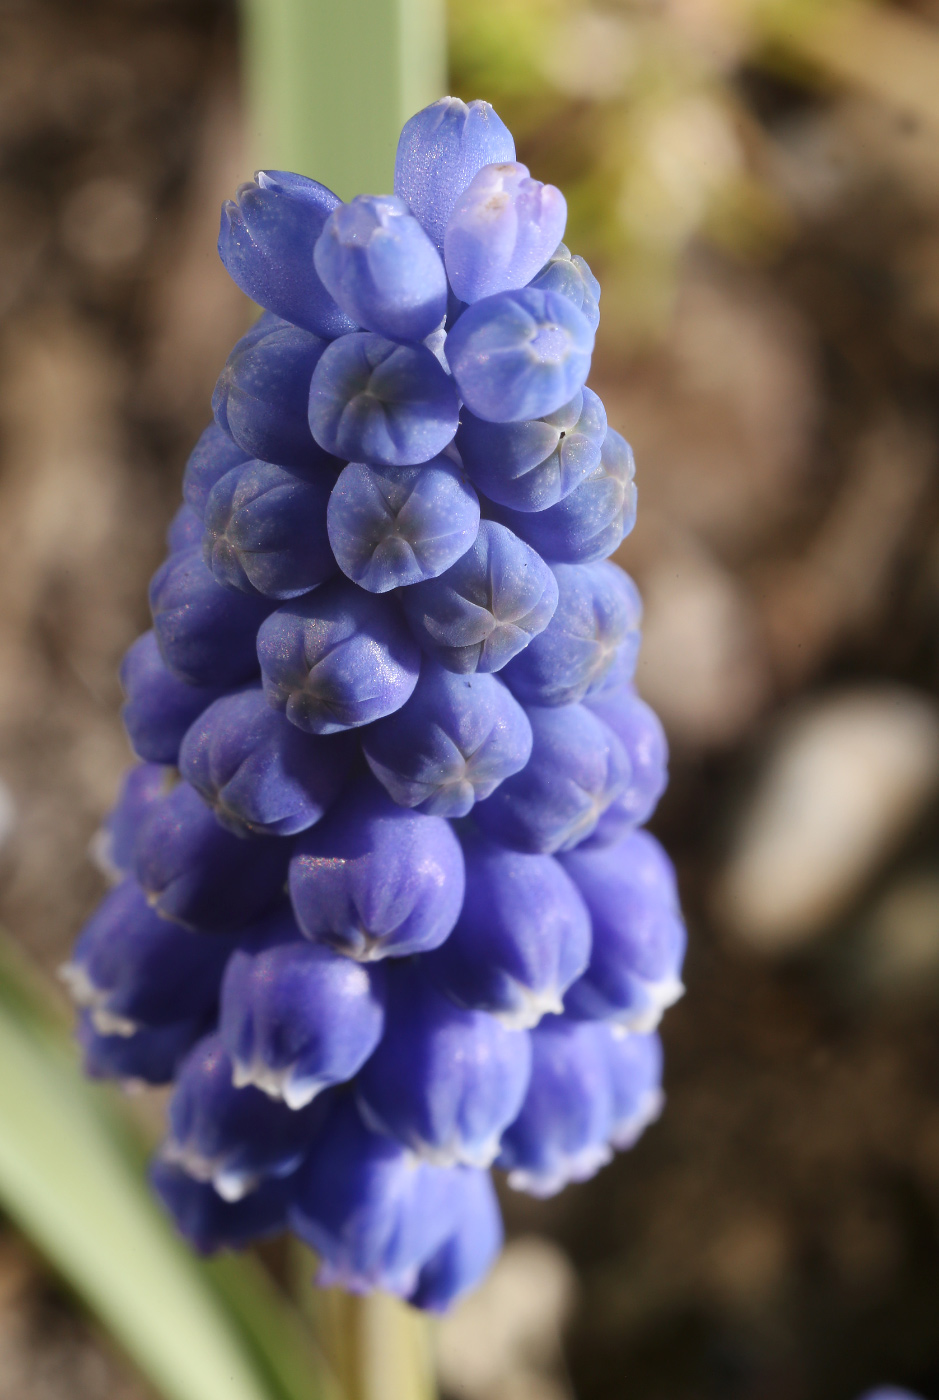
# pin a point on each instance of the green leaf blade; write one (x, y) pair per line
(69, 1184)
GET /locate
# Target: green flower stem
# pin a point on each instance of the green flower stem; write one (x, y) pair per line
(377, 1347)
(330, 83)
(72, 1177)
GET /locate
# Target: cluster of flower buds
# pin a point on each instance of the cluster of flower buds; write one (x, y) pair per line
(383, 911)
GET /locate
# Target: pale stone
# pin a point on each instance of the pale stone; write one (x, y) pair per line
(840, 788)
(503, 1342)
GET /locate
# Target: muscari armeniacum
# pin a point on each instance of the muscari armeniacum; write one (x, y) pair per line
(383, 911)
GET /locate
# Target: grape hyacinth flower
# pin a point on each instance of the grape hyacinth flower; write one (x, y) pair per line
(451, 744)
(133, 969)
(264, 530)
(522, 937)
(266, 241)
(383, 912)
(444, 1081)
(487, 606)
(594, 627)
(261, 397)
(591, 521)
(213, 455)
(440, 152)
(206, 632)
(502, 230)
(185, 530)
(296, 1018)
(381, 268)
(519, 355)
(373, 400)
(375, 880)
(532, 465)
(572, 278)
(257, 771)
(337, 658)
(394, 526)
(638, 937)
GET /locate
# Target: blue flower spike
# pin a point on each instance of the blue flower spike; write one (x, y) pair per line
(383, 911)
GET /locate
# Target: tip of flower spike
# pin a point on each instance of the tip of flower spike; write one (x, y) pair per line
(266, 247)
(440, 150)
(503, 229)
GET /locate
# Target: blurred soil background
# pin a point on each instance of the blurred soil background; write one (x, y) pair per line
(758, 188)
